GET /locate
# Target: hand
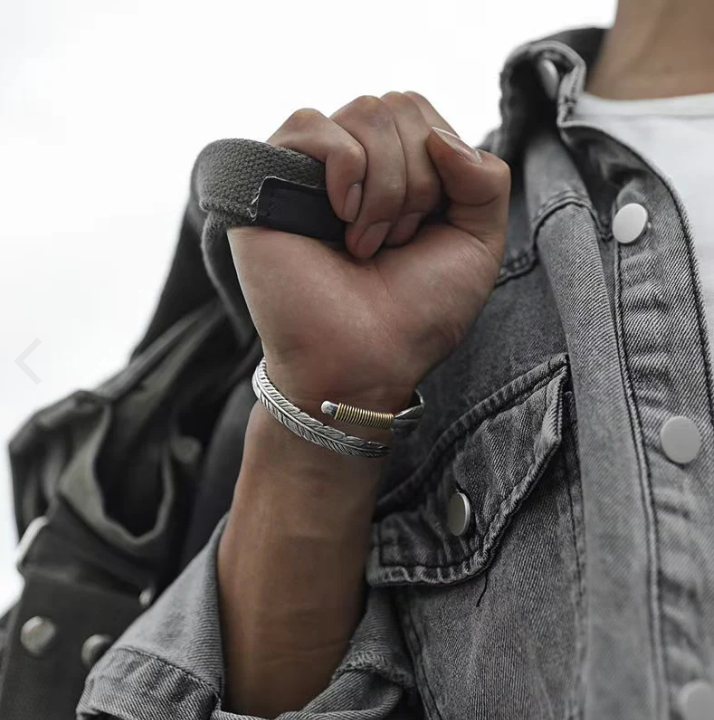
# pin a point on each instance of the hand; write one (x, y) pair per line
(367, 324)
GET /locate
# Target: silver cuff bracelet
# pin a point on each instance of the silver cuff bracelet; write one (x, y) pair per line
(329, 437)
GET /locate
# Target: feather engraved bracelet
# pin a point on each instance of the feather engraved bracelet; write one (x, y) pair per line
(311, 429)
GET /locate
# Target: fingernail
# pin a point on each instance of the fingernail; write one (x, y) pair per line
(455, 142)
(405, 227)
(372, 238)
(352, 202)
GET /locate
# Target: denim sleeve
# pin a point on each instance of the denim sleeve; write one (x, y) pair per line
(168, 665)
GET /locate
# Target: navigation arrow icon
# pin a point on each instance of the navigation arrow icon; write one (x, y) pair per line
(20, 361)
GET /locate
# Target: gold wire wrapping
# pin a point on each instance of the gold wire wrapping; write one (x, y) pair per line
(365, 418)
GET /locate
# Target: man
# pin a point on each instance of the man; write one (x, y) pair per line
(542, 545)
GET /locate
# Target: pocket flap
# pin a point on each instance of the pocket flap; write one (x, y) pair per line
(494, 455)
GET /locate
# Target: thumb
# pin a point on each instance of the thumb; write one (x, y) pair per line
(477, 185)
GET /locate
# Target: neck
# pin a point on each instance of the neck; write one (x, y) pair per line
(656, 49)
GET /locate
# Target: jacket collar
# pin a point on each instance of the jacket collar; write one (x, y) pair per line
(541, 81)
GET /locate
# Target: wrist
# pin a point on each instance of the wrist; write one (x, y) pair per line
(272, 449)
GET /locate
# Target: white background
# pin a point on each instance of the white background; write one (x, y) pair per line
(104, 107)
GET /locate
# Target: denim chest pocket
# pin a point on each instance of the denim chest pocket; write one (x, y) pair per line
(482, 548)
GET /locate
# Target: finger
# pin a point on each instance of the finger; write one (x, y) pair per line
(308, 131)
(423, 186)
(371, 122)
(460, 255)
(429, 112)
(477, 185)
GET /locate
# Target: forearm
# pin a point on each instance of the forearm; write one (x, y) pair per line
(291, 563)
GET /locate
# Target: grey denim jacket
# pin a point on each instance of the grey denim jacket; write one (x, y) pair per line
(583, 584)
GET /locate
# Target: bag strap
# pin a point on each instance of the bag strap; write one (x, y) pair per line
(80, 593)
(239, 182)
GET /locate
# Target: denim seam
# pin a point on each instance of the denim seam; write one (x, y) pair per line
(488, 548)
(517, 266)
(645, 483)
(493, 405)
(554, 200)
(130, 649)
(417, 657)
(450, 446)
(378, 663)
(573, 471)
(565, 200)
(703, 339)
(703, 344)
(598, 132)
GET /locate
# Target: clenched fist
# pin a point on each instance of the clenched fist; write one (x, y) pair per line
(366, 325)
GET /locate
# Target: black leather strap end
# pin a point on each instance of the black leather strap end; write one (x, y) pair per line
(295, 208)
(47, 683)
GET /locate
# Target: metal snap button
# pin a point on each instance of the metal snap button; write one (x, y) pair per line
(94, 647)
(629, 223)
(696, 700)
(680, 439)
(37, 635)
(459, 515)
(147, 596)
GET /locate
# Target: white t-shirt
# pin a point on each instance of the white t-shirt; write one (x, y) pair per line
(676, 136)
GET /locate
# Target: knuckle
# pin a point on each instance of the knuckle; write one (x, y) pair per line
(385, 200)
(367, 101)
(353, 155)
(416, 97)
(401, 104)
(391, 195)
(374, 110)
(303, 116)
(396, 99)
